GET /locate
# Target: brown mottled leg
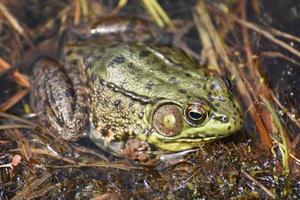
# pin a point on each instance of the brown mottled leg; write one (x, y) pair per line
(60, 102)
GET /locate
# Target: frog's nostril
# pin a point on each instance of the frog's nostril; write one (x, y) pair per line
(222, 118)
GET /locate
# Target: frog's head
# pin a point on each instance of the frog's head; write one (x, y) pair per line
(211, 113)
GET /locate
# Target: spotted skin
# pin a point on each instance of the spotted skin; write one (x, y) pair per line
(112, 90)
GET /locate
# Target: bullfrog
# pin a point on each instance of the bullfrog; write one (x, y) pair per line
(133, 99)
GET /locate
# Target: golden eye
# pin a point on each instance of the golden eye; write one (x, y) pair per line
(195, 114)
(167, 120)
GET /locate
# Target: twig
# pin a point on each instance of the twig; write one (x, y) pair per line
(100, 165)
(158, 13)
(85, 9)
(20, 78)
(282, 131)
(266, 190)
(276, 54)
(257, 86)
(77, 12)
(284, 35)
(291, 116)
(14, 22)
(14, 126)
(48, 153)
(32, 186)
(16, 118)
(266, 34)
(204, 33)
(13, 100)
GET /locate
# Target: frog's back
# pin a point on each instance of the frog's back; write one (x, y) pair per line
(151, 72)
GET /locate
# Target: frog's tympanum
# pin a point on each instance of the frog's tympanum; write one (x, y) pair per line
(133, 99)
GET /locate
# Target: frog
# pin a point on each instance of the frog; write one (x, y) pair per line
(133, 97)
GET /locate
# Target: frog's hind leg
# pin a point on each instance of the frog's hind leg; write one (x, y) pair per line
(60, 102)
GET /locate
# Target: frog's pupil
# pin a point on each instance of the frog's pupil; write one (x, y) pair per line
(195, 115)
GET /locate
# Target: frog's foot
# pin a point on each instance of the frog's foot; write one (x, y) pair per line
(140, 152)
(171, 159)
(60, 101)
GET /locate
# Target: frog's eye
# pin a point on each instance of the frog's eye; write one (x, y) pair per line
(195, 114)
(168, 120)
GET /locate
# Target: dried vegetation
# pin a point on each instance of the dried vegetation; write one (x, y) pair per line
(262, 161)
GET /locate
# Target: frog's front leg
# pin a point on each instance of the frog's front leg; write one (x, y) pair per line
(60, 101)
(140, 152)
(144, 154)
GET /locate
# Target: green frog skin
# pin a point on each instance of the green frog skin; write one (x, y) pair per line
(133, 99)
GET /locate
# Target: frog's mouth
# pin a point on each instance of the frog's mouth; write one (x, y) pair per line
(198, 139)
(181, 143)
